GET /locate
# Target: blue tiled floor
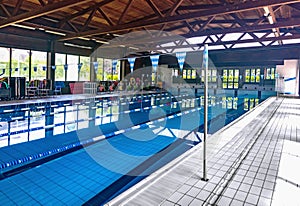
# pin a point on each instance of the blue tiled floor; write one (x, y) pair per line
(76, 177)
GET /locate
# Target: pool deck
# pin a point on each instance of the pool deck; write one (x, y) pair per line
(252, 161)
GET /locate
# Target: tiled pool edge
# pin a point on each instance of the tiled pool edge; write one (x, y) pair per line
(237, 124)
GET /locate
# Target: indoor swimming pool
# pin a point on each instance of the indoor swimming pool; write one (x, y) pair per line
(100, 146)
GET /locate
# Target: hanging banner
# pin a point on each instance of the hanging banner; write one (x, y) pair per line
(66, 67)
(25, 68)
(79, 66)
(114, 65)
(95, 67)
(131, 63)
(181, 58)
(35, 69)
(154, 61)
(53, 67)
(44, 68)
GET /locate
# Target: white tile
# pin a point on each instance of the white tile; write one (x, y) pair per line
(252, 199)
(203, 195)
(258, 183)
(236, 203)
(224, 201)
(264, 201)
(240, 195)
(267, 193)
(255, 190)
(230, 192)
(245, 187)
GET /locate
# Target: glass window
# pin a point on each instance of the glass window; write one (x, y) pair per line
(20, 63)
(252, 75)
(214, 75)
(184, 74)
(189, 74)
(84, 74)
(4, 61)
(107, 69)
(247, 75)
(257, 78)
(211, 75)
(231, 78)
(38, 65)
(225, 79)
(194, 74)
(72, 71)
(99, 72)
(116, 72)
(269, 73)
(60, 61)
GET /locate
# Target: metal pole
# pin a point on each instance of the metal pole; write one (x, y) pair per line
(205, 65)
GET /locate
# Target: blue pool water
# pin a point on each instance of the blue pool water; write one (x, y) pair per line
(106, 165)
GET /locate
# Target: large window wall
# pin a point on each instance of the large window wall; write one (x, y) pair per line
(60, 61)
(20, 63)
(34, 65)
(230, 78)
(105, 70)
(72, 69)
(4, 61)
(269, 73)
(39, 65)
(252, 75)
(84, 74)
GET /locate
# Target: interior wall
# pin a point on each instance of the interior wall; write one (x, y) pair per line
(289, 72)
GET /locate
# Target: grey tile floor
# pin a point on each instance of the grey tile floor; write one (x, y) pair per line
(253, 161)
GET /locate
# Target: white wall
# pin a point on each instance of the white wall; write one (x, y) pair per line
(289, 71)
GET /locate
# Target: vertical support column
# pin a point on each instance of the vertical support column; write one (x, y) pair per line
(30, 55)
(205, 65)
(122, 69)
(10, 62)
(51, 62)
(92, 69)
(49, 120)
(66, 63)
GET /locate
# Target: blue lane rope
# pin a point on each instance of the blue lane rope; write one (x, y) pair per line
(96, 139)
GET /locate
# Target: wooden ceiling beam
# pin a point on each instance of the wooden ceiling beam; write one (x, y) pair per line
(109, 21)
(83, 11)
(50, 8)
(73, 26)
(125, 11)
(89, 19)
(17, 7)
(42, 2)
(154, 8)
(208, 21)
(5, 10)
(244, 6)
(173, 9)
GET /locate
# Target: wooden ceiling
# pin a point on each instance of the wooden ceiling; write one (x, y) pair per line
(91, 23)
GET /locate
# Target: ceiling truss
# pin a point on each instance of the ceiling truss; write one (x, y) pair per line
(91, 21)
